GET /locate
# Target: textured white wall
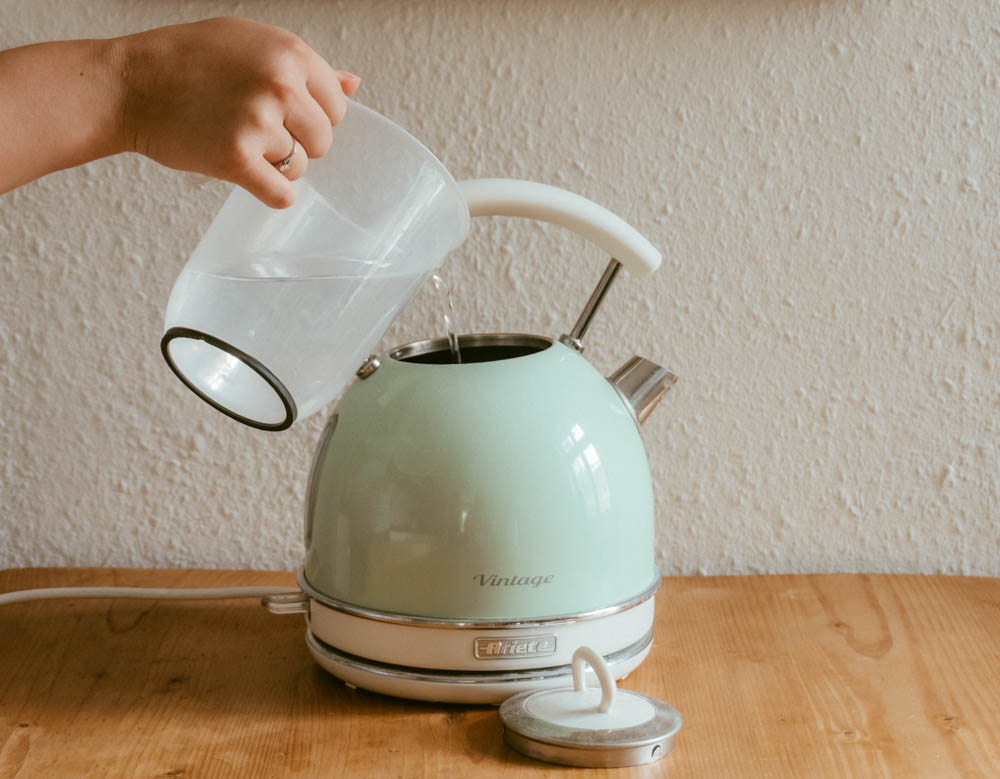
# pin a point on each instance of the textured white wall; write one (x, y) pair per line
(821, 177)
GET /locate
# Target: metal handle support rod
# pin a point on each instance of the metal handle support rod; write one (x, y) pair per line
(573, 338)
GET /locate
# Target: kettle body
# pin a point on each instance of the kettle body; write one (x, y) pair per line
(470, 523)
(513, 486)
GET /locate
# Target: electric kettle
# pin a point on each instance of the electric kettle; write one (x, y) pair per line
(469, 525)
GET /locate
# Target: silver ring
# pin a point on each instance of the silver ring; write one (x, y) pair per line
(285, 164)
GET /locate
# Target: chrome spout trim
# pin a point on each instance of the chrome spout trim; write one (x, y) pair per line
(641, 384)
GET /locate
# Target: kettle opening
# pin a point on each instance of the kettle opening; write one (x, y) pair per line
(481, 347)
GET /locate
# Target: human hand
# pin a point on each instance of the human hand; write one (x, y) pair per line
(229, 98)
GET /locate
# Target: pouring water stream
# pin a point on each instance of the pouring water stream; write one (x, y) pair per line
(448, 306)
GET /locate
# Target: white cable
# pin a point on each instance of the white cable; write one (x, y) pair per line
(152, 593)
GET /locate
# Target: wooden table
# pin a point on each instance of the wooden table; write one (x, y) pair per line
(791, 676)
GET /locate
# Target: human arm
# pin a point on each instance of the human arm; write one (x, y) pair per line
(223, 97)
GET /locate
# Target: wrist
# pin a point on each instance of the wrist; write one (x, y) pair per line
(94, 108)
(111, 57)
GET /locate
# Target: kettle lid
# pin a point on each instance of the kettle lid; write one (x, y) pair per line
(580, 726)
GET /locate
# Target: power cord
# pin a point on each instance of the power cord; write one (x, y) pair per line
(21, 596)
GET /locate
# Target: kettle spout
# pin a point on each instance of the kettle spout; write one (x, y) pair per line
(642, 384)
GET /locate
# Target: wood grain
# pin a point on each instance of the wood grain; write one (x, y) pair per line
(776, 676)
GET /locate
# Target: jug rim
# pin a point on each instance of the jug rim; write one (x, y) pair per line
(174, 334)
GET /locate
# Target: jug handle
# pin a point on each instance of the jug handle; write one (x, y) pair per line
(531, 200)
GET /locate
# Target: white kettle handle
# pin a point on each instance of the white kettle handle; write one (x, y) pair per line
(531, 200)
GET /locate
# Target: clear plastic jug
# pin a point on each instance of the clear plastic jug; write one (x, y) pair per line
(275, 310)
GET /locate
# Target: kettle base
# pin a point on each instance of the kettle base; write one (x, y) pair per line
(490, 687)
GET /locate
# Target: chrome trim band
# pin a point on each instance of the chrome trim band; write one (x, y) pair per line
(419, 348)
(464, 677)
(473, 624)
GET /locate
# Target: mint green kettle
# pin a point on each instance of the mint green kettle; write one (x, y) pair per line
(469, 525)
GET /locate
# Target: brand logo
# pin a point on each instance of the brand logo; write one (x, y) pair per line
(526, 646)
(495, 580)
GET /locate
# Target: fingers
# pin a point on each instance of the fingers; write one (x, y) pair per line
(349, 82)
(309, 124)
(262, 180)
(329, 87)
(283, 145)
(308, 116)
(254, 166)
